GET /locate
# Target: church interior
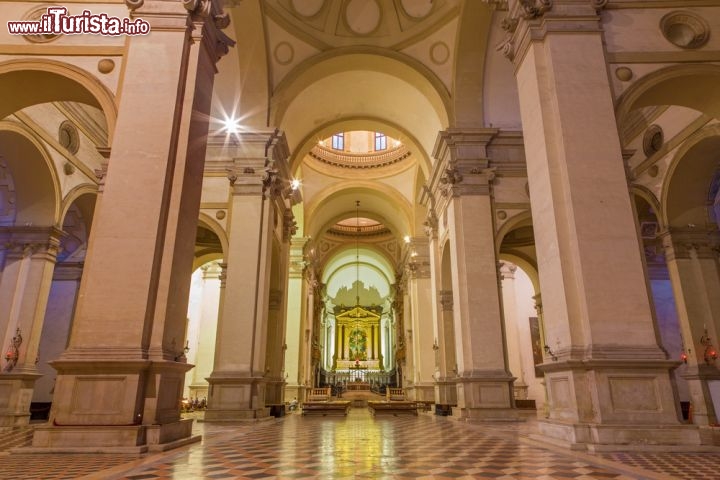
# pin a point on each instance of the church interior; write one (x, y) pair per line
(502, 212)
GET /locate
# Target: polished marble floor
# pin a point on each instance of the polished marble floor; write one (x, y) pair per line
(364, 447)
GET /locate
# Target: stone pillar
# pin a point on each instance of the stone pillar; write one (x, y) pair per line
(202, 353)
(419, 287)
(120, 381)
(56, 326)
(611, 382)
(693, 267)
(514, 349)
(461, 186)
(30, 254)
(296, 312)
(446, 362)
(238, 380)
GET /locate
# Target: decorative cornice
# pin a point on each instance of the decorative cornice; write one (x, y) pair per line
(31, 241)
(531, 20)
(690, 243)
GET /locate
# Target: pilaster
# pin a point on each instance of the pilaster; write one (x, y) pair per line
(30, 254)
(608, 380)
(296, 354)
(259, 187)
(459, 194)
(121, 392)
(416, 259)
(692, 261)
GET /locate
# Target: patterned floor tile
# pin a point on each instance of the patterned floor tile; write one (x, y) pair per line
(360, 446)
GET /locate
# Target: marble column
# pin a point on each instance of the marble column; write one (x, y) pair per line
(514, 352)
(461, 186)
(120, 381)
(202, 353)
(56, 326)
(258, 181)
(692, 263)
(296, 320)
(419, 287)
(610, 382)
(30, 254)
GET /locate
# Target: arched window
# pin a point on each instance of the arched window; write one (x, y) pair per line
(380, 141)
(338, 141)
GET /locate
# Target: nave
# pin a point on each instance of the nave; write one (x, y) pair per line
(362, 446)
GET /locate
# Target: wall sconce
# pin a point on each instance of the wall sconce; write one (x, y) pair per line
(13, 354)
(548, 351)
(181, 355)
(710, 353)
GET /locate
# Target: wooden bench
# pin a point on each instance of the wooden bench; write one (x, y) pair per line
(319, 402)
(394, 404)
(396, 407)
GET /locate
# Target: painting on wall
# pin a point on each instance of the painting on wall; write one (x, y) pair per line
(536, 345)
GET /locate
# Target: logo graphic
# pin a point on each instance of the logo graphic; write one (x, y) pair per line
(57, 21)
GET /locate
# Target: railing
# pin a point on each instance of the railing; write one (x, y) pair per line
(359, 160)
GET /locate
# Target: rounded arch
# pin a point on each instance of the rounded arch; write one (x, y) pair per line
(336, 256)
(37, 187)
(648, 196)
(685, 188)
(339, 199)
(446, 266)
(368, 123)
(41, 81)
(77, 192)
(522, 219)
(694, 86)
(383, 84)
(526, 265)
(211, 224)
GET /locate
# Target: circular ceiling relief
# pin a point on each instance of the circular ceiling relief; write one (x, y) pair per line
(284, 53)
(417, 8)
(307, 8)
(685, 29)
(439, 53)
(362, 16)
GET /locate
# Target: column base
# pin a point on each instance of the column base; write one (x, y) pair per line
(16, 391)
(698, 378)
(421, 392)
(608, 438)
(446, 392)
(236, 398)
(111, 438)
(485, 397)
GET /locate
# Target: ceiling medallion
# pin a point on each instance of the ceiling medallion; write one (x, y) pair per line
(417, 8)
(35, 15)
(685, 29)
(363, 16)
(284, 53)
(307, 8)
(439, 53)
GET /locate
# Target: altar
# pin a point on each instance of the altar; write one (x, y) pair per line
(358, 386)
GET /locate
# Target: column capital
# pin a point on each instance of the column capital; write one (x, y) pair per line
(461, 167)
(685, 243)
(531, 20)
(416, 257)
(205, 17)
(259, 164)
(23, 241)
